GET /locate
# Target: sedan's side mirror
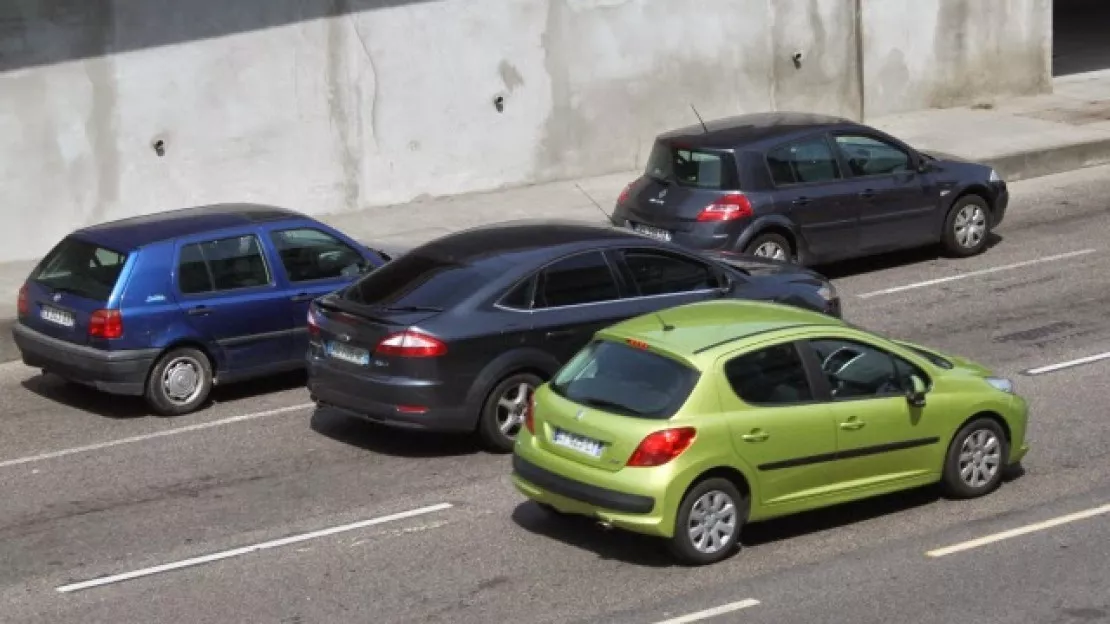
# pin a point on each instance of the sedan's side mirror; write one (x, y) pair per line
(924, 166)
(915, 394)
(726, 284)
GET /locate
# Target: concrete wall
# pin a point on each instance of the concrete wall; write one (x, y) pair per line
(941, 53)
(333, 105)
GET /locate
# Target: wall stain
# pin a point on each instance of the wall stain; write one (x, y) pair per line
(347, 133)
(510, 76)
(101, 121)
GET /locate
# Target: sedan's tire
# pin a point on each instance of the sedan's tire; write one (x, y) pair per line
(180, 382)
(710, 517)
(976, 461)
(967, 227)
(771, 246)
(503, 411)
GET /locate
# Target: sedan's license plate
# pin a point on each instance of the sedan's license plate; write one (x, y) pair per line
(652, 232)
(56, 316)
(578, 443)
(353, 355)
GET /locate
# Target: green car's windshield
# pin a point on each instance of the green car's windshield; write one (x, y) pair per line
(928, 355)
(617, 378)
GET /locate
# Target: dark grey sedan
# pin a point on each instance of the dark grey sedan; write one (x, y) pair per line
(808, 189)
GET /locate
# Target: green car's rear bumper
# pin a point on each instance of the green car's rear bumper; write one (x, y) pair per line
(635, 500)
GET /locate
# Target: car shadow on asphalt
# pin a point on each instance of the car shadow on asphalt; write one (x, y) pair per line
(88, 399)
(584, 533)
(387, 440)
(892, 260)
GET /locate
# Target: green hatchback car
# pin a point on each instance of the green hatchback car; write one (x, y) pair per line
(688, 424)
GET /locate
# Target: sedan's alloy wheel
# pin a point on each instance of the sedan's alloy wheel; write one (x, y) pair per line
(970, 226)
(511, 408)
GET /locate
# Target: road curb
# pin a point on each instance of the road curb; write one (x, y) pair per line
(1049, 161)
(1013, 167)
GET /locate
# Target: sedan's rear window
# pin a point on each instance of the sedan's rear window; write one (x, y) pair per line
(80, 268)
(690, 167)
(416, 280)
(617, 378)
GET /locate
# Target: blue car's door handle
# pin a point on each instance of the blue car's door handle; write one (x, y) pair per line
(301, 297)
(199, 311)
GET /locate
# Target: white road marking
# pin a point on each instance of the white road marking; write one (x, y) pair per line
(1069, 364)
(952, 278)
(1030, 528)
(714, 612)
(236, 552)
(151, 436)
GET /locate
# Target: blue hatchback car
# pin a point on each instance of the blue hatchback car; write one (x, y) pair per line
(162, 306)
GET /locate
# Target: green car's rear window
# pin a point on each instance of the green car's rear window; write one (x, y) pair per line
(617, 378)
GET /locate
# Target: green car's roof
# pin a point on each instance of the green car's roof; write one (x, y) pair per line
(697, 328)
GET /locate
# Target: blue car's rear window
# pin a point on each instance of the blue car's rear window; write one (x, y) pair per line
(80, 268)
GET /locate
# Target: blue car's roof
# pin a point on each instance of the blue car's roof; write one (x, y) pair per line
(127, 234)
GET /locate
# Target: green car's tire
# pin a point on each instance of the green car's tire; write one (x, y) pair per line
(710, 517)
(976, 460)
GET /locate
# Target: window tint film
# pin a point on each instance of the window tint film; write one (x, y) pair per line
(417, 280)
(615, 377)
(661, 274)
(855, 370)
(80, 268)
(771, 376)
(803, 162)
(867, 156)
(583, 278)
(692, 167)
(220, 265)
(309, 254)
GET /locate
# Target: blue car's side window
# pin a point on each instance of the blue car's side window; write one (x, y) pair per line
(308, 254)
(225, 264)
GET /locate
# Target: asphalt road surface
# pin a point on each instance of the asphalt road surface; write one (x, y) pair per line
(259, 509)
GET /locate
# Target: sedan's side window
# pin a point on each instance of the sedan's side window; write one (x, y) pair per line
(664, 274)
(868, 156)
(225, 264)
(859, 371)
(579, 279)
(309, 254)
(771, 376)
(803, 162)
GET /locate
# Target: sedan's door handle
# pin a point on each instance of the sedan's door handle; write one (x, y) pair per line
(560, 334)
(801, 201)
(867, 194)
(301, 297)
(755, 436)
(199, 311)
(852, 424)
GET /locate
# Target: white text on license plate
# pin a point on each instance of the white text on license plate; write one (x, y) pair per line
(651, 232)
(590, 447)
(353, 355)
(56, 316)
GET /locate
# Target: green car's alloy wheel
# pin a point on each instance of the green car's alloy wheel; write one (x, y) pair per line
(976, 459)
(710, 517)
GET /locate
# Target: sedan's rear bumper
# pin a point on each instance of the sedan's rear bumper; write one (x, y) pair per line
(115, 372)
(394, 402)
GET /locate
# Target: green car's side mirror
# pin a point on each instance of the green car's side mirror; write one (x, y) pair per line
(915, 394)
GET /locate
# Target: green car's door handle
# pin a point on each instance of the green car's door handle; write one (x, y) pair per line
(756, 436)
(852, 424)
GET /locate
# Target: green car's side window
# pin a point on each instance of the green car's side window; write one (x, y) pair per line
(771, 376)
(858, 371)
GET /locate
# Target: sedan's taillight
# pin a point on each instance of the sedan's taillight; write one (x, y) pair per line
(662, 446)
(411, 343)
(313, 324)
(728, 208)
